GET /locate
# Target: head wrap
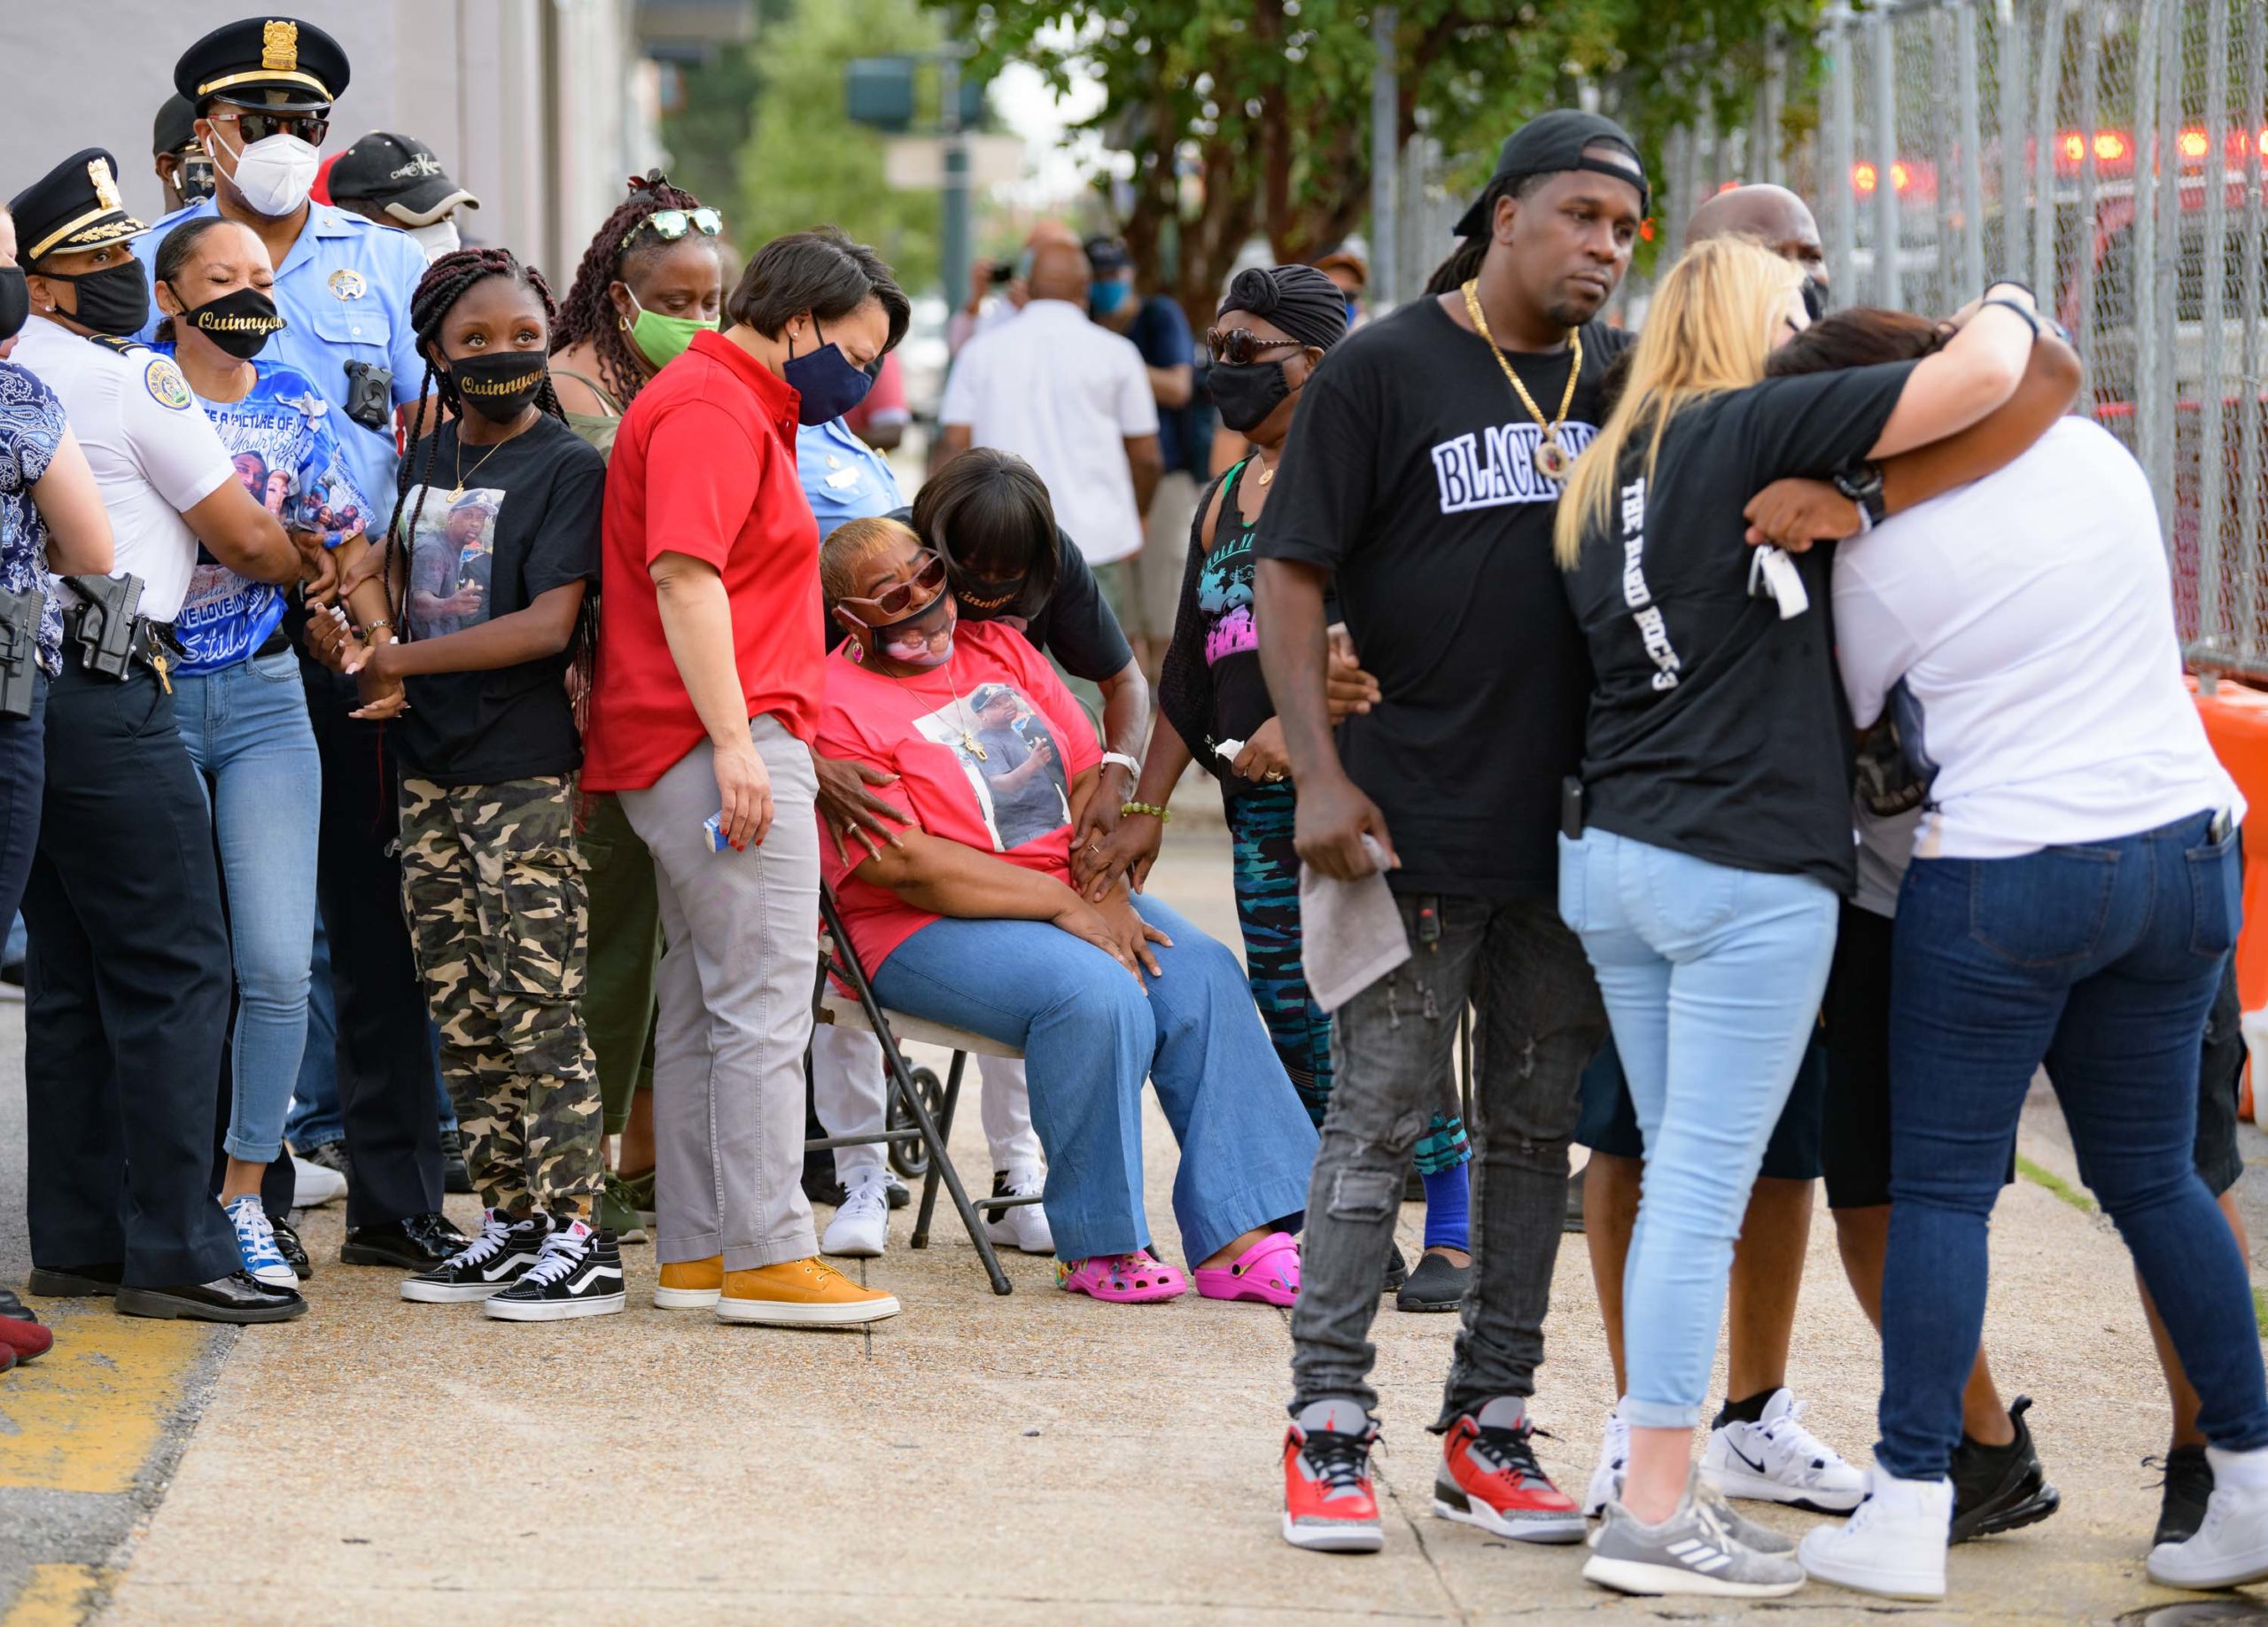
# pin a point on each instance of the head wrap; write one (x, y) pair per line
(1299, 299)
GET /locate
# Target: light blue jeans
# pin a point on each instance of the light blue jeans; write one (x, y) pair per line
(1090, 1037)
(246, 730)
(1712, 978)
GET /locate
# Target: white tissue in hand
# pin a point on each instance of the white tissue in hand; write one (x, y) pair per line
(1227, 751)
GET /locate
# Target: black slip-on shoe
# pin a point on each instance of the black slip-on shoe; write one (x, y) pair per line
(416, 1244)
(236, 1297)
(74, 1281)
(1437, 1284)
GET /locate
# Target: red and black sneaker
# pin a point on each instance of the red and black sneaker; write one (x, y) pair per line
(1489, 1477)
(1328, 1503)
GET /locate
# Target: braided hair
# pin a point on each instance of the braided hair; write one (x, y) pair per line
(444, 282)
(588, 313)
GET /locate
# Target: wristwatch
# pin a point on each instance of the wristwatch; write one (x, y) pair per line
(1123, 761)
(1861, 483)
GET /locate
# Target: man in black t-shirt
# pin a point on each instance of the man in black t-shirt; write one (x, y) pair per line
(1421, 478)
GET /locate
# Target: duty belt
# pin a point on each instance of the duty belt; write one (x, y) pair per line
(109, 633)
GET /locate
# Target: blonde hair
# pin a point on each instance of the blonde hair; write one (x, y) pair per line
(1709, 328)
(848, 547)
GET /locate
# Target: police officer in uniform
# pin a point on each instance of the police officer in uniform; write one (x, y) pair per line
(263, 90)
(128, 985)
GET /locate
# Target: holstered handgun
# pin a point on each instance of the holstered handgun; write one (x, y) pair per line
(19, 614)
(101, 623)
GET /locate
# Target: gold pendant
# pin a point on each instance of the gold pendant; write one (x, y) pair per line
(1551, 459)
(455, 492)
(968, 744)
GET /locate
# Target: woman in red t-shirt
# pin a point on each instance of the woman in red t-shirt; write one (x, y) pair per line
(969, 917)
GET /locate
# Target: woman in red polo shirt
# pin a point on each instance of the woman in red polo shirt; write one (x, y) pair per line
(705, 698)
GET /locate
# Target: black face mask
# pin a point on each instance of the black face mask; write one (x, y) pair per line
(113, 300)
(15, 301)
(1245, 395)
(500, 385)
(240, 321)
(1814, 297)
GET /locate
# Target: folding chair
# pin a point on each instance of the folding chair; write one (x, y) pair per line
(931, 1125)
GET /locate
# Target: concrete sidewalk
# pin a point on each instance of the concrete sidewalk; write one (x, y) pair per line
(1036, 1459)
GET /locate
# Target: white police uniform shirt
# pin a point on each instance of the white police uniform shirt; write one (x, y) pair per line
(345, 287)
(154, 452)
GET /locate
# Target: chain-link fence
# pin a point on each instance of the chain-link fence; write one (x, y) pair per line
(2109, 154)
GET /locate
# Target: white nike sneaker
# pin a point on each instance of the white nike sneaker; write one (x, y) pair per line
(1025, 1227)
(860, 1229)
(2231, 1547)
(1613, 1458)
(1778, 1460)
(1894, 1545)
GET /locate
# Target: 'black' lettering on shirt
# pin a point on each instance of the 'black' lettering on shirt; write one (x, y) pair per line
(1497, 466)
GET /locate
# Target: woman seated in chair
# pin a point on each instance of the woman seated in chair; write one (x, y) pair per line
(968, 917)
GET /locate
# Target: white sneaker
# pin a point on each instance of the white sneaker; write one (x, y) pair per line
(263, 1261)
(2231, 1547)
(1778, 1460)
(1894, 1546)
(313, 1186)
(1024, 1227)
(1613, 1458)
(860, 1229)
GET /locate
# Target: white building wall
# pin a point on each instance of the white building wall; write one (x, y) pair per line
(540, 107)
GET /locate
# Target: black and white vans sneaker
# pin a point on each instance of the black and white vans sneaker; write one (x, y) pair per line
(489, 1264)
(579, 1273)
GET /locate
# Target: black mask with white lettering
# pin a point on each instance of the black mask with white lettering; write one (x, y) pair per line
(113, 300)
(240, 321)
(1245, 395)
(500, 383)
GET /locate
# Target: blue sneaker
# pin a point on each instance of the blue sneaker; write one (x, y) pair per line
(264, 1262)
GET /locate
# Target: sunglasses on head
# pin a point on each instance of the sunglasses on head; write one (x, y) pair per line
(671, 224)
(901, 599)
(253, 126)
(1241, 346)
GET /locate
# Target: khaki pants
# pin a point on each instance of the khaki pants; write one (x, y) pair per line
(1148, 588)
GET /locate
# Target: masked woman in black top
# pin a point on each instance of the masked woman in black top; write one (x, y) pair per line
(1715, 811)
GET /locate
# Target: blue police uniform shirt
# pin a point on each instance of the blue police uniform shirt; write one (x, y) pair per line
(843, 477)
(345, 287)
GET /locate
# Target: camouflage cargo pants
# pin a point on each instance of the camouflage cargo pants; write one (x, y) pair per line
(497, 911)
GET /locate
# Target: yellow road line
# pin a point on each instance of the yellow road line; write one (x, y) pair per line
(58, 1596)
(88, 1415)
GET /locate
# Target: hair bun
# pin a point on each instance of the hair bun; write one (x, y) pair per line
(1253, 289)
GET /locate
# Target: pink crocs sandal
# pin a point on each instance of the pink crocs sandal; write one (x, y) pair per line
(1268, 1271)
(1122, 1279)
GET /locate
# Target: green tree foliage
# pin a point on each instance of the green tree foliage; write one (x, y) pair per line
(1255, 115)
(805, 163)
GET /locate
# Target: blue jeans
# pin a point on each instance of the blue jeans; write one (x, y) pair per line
(1090, 1037)
(1712, 978)
(2100, 960)
(315, 1120)
(246, 730)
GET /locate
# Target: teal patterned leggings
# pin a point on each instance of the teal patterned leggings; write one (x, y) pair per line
(1267, 881)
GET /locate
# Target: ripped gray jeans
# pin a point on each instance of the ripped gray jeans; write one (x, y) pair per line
(1538, 1022)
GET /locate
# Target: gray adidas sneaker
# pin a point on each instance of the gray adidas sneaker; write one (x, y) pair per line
(1696, 1550)
(1745, 1531)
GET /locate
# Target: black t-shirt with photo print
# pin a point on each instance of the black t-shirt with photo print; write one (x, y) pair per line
(526, 522)
(1718, 728)
(1410, 475)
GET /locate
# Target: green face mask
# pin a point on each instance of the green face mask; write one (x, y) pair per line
(662, 339)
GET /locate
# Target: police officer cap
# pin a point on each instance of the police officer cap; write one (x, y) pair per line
(175, 128)
(73, 207)
(277, 62)
(1553, 142)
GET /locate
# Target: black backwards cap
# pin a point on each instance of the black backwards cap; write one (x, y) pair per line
(1553, 142)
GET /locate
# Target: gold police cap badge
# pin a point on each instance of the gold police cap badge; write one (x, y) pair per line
(105, 184)
(347, 283)
(279, 47)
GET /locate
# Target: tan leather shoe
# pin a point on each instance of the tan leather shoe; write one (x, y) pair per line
(808, 1293)
(690, 1285)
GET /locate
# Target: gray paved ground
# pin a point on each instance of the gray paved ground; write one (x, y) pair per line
(1033, 1460)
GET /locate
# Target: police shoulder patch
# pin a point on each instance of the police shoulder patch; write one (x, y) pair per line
(166, 384)
(119, 343)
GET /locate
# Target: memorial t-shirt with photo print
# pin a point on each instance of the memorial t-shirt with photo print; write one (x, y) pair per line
(1410, 475)
(527, 521)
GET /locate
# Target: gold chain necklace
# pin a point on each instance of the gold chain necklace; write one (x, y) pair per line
(961, 713)
(457, 491)
(1551, 459)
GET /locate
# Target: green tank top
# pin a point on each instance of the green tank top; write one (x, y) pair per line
(597, 429)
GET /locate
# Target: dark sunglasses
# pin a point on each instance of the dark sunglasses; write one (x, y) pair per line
(671, 224)
(309, 128)
(899, 598)
(1241, 346)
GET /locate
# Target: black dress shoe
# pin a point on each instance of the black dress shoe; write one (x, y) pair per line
(74, 1281)
(236, 1297)
(14, 1309)
(1397, 1270)
(288, 1245)
(418, 1243)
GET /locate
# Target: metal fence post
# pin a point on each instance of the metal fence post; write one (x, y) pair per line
(1944, 147)
(2255, 524)
(1839, 160)
(2142, 316)
(2043, 159)
(2082, 249)
(2008, 79)
(1888, 291)
(2213, 630)
(1972, 155)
